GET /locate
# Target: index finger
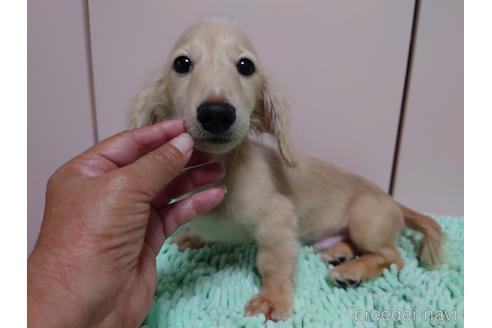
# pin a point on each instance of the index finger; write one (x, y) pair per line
(126, 147)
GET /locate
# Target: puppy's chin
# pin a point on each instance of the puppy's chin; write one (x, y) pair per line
(216, 146)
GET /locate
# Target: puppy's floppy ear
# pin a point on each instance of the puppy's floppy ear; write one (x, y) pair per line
(273, 111)
(151, 105)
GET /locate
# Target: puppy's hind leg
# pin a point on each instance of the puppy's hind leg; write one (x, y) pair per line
(374, 225)
(339, 253)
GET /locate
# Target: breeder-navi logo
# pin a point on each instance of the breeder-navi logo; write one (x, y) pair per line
(405, 315)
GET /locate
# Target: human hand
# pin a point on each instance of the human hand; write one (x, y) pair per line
(105, 220)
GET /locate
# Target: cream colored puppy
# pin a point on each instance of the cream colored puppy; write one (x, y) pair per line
(276, 198)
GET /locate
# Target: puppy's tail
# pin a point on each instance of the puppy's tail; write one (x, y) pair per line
(431, 243)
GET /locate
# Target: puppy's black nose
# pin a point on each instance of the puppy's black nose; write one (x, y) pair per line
(216, 117)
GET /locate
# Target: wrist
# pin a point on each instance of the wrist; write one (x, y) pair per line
(51, 301)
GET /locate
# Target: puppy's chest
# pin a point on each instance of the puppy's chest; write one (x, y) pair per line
(235, 219)
(222, 228)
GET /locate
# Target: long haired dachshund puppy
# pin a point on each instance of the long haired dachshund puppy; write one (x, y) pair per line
(276, 197)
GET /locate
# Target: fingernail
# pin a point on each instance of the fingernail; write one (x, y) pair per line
(183, 142)
(225, 189)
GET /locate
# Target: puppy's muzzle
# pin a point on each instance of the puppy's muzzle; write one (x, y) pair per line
(216, 117)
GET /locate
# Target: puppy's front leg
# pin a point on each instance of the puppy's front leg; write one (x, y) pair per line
(276, 260)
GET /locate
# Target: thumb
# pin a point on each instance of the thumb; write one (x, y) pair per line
(151, 172)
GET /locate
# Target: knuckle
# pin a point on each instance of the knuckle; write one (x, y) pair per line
(193, 210)
(51, 183)
(131, 134)
(116, 183)
(188, 211)
(55, 178)
(125, 133)
(168, 157)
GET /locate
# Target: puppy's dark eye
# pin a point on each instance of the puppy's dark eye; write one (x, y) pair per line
(245, 67)
(182, 64)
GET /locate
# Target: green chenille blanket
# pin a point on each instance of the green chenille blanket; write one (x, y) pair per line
(209, 288)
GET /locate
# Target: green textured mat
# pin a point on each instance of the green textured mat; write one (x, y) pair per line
(209, 288)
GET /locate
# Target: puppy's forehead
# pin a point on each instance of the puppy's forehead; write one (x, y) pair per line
(215, 35)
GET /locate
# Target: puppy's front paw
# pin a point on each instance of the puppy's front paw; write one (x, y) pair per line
(189, 240)
(274, 307)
